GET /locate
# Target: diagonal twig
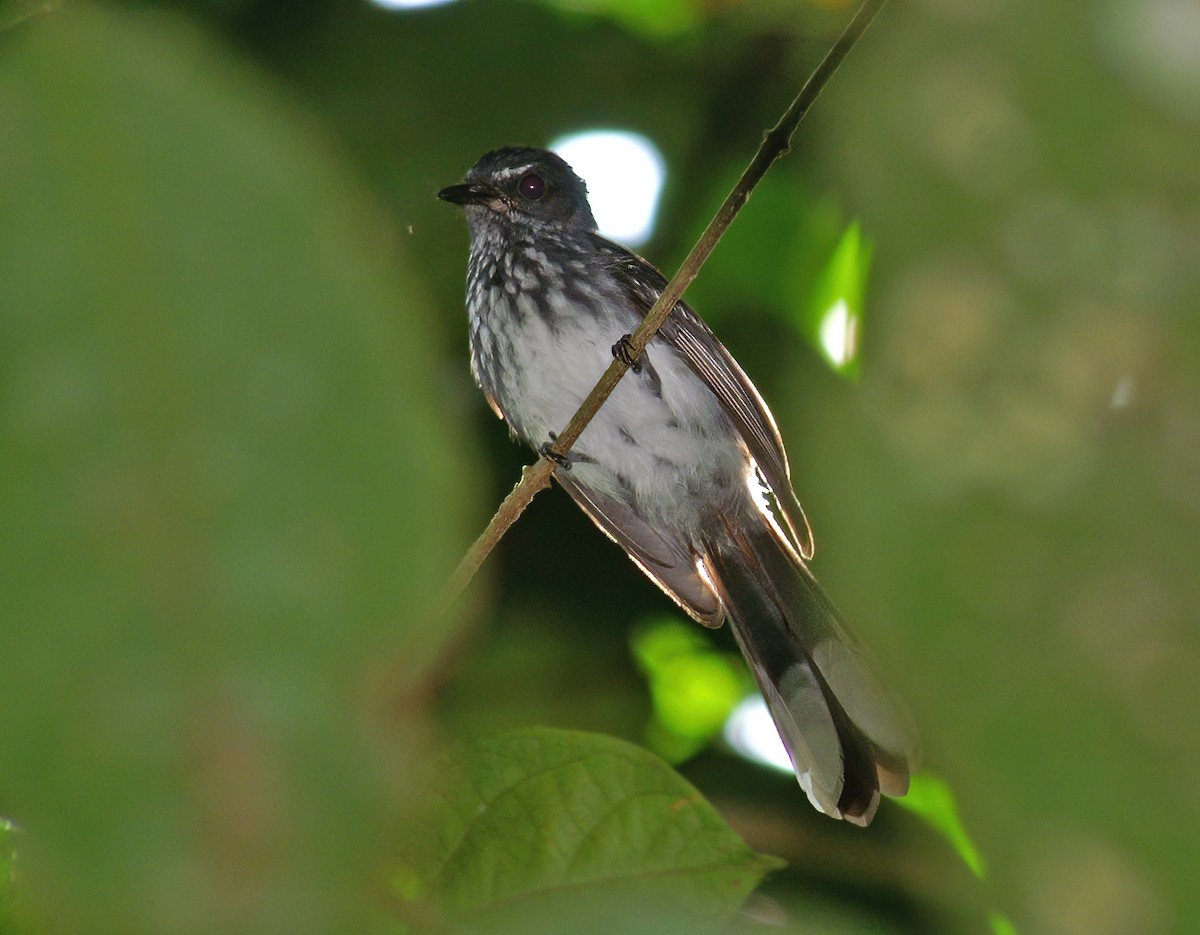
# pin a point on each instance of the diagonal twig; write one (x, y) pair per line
(776, 142)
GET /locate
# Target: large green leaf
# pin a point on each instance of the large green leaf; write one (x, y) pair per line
(542, 830)
(219, 506)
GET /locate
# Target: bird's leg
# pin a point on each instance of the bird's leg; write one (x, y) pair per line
(563, 461)
(623, 351)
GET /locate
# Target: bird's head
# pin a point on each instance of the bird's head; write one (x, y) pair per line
(523, 184)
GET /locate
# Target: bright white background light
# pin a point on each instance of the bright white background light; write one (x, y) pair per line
(408, 4)
(839, 333)
(624, 174)
(751, 732)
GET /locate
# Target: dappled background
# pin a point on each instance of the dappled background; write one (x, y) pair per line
(240, 447)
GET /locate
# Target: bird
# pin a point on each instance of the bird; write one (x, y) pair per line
(683, 466)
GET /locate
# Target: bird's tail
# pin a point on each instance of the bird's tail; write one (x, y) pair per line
(847, 737)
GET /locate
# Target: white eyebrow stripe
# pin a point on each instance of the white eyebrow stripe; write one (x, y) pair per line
(519, 170)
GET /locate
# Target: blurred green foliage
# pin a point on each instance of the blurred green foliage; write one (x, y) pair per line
(930, 797)
(13, 11)
(693, 686)
(652, 17)
(8, 869)
(217, 504)
(834, 319)
(239, 448)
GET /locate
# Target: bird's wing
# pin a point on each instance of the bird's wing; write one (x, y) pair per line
(711, 361)
(669, 564)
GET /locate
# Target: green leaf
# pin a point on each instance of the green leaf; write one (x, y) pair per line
(1001, 924)
(552, 831)
(694, 687)
(930, 797)
(834, 318)
(218, 509)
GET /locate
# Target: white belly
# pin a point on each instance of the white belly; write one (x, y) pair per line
(674, 453)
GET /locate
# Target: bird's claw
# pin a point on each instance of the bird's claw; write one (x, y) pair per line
(563, 461)
(623, 351)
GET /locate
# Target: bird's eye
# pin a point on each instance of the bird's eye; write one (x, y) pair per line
(532, 186)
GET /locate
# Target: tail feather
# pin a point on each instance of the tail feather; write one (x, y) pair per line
(847, 738)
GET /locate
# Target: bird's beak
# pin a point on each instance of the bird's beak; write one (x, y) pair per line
(470, 193)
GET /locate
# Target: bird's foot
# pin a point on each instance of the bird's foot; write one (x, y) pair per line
(623, 351)
(563, 461)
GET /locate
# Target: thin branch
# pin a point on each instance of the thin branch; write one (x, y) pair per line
(776, 143)
(534, 479)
